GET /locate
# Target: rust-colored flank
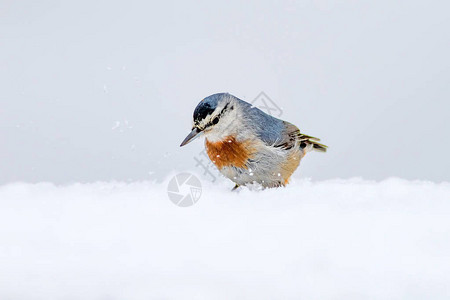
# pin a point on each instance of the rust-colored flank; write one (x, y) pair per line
(287, 168)
(229, 152)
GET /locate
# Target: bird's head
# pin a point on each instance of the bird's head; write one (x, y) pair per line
(215, 116)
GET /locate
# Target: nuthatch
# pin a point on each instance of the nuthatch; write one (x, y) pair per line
(246, 144)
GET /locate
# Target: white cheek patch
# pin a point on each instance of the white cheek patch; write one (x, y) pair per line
(226, 122)
(228, 125)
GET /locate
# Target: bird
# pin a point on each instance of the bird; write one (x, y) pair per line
(246, 144)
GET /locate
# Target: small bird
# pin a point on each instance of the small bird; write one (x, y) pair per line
(246, 144)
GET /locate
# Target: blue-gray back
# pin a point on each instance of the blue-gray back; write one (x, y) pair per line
(269, 129)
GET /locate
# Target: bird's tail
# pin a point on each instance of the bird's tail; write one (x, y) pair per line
(311, 143)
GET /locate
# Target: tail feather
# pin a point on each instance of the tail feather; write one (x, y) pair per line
(310, 140)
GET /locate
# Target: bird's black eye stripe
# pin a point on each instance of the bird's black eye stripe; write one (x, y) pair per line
(216, 119)
(220, 114)
(213, 122)
(226, 105)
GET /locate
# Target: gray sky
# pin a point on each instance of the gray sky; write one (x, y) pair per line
(106, 90)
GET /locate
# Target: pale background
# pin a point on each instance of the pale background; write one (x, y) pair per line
(105, 90)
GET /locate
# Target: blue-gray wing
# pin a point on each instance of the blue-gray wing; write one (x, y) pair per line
(288, 136)
(272, 131)
(278, 133)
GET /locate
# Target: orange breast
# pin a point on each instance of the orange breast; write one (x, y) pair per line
(229, 152)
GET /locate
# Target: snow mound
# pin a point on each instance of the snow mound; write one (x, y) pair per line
(338, 239)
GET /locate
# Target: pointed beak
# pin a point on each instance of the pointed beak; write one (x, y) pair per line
(191, 136)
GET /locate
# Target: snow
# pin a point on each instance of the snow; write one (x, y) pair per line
(336, 239)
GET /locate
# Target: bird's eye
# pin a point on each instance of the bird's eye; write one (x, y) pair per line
(215, 120)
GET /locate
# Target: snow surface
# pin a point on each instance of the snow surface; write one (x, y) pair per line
(337, 239)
